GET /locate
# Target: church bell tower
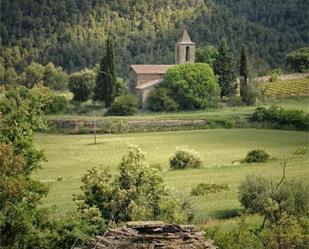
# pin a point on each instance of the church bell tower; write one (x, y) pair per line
(185, 49)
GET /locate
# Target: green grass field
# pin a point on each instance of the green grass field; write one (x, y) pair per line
(69, 156)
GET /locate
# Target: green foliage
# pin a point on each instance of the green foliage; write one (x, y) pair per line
(186, 158)
(59, 104)
(22, 225)
(81, 84)
(106, 88)
(206, 188)
(206, 54)
(192, 86)
(52, 77)
(124, 105)
(298, 60)
(274, 74)
(254, 193)
(257, 156)
(33, 75)
(77, 228)
(301, 151)
(224, 69)
(233, 101)
(280, 117)
(22, 112)
(287, 233)
(241, 237)
(257, 195)
(138, 193)
(159, 100)
(243, 73)
(55, 78)
(251, 92)
(71, 34)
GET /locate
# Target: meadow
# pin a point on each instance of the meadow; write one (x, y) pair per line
(69, 157)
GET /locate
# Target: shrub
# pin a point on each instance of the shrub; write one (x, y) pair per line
(206, 188)
(281, 118)
(81, 84)
(254, 192)
(138, 193)
(58, 104)
(257, 195)
(77, 228)
(158, 100)
(301, 151)
(233, 101)
(186, 158)
(124, 105)
(287, 233)
(257, 156)
(192, 86)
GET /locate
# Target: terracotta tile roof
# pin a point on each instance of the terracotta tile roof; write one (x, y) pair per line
(149, 84)
(151, 69)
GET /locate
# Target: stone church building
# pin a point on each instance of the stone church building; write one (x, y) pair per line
(144, 77)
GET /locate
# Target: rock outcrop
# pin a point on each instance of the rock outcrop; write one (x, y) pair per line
(152, 235)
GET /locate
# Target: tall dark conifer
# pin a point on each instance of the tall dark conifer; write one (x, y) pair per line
(224, 69)
(106, 82)
(243, 72)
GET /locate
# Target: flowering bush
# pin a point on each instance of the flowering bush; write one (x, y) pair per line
(186, 158)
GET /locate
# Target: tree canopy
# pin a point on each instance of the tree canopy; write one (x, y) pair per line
(192, 86)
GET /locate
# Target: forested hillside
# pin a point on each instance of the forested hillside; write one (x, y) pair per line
(71, 33)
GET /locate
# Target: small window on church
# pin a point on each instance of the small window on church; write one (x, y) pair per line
(187, 53)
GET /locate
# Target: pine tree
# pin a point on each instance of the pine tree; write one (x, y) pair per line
(106, 82)
(243, 72)
(224, 69)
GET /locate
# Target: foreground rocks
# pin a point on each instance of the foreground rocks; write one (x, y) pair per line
(151, 235)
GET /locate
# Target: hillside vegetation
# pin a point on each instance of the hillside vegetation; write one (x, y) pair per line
(71, 33)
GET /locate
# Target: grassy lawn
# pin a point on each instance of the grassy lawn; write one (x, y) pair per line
(69, 156)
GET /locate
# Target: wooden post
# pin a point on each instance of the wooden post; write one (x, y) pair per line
(94, 129)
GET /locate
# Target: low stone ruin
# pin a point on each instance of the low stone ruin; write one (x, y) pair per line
(152, 235)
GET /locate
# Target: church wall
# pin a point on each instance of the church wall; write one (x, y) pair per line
(143, 78)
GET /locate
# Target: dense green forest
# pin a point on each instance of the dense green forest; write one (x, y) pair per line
(72, 33)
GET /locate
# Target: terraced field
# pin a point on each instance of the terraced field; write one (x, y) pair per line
(299, 87)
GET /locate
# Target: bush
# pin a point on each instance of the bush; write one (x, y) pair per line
(192, 86)
(254, 192)
(286, 234)
(281, 118)
(258, 196)
(59, 104)
(233, 101)
(138, 193)
(81, 84)
(206, 188)
(301, 151)
(158, 100)
(124, 105)
(257, 156)
(186, 158)
(77, 228)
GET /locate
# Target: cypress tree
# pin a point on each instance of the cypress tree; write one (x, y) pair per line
(243, 72)
(106, 82)
(224, 69)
